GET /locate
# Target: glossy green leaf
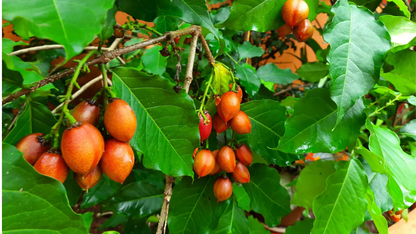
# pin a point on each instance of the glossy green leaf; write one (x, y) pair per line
(167, 125)
(8, 44)
(313, 72)
(342, 206)
(312, 182)
(34, 203)
(243, 200)
(271, 73)
(165, 23)
(233, 220)
(100, 192)
(247, 50)
(257, 15)
(311, 127)
(399, 165)
(409, 130)
(110, 21)
(354, 63)
(378, 183)
(255, 227)
(248, 78)
(300, 227)
(401, 30)
(375, 212)
(145, 10)
(376, 162)
(153, 61)
(55, 20)
(267, 196)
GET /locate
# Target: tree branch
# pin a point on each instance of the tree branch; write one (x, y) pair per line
(191, 59)
(206, 48)
(165, 206)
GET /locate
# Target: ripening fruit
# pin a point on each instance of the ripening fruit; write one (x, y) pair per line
(238, 90)
(241, 174)
(205, 127)
(219, 124)
(223, 189)
(87, 112)
(53, 165)
(217, 169)
(177, 40)
(204, 162)
(229, 105)
(294, 12)
(118, 31)
(284, 30)
(31, 148)
(226, 159)
(244, 154)
(118, 160)
(241, 123)
(120, 120)
(90, 179)
(217, 98)
(82, 146)
(303, 31)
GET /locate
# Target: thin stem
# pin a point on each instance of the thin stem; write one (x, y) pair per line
(48, 47)
(205, 94)
(104, 74)
(231, 58)
(389, 103)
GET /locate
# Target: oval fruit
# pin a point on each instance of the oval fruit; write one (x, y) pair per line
(284, 30)
(229, 106)
(118, 160)
(217, 169)
(223, 189)
(53, 165)
(82, 146)
(226, 159)
(90, 179)
(294, 12)
(120, 120)
(241, 123)
(87, 112)
(205, 127)
(219, 124)
(244, 154)
(303, 31)
(31, 148)
(204, 162)
(241, 173)
(238, 90)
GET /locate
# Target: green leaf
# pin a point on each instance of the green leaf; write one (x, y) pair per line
(354, 63)
(313, 9)
(311, 127)
(266, 194)
(233, 220)
(8, 44)
(34, 203)
(257, 15)
(312, 182)
(401, 29)
(73, 191)
(153, 61)
(110, 21)
(409, 130)
(100, 192)
(376, 162)
(242, 197)
(399, 165)
(255, 227)
(55, 20)
(375, 212)
(165, 23)
(248, 79)
(378, 183)
(267, 127)
(167, 141)
(88, 218)
(313, 72)
(220, 15)
(342, 206)
(271, 73)
(247, 50)
(35, 118)
(11, 80)
(300, 227)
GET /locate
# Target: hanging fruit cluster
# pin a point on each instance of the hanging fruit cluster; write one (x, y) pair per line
(295, 14)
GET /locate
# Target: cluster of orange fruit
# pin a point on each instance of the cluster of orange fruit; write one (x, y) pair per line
(295, 14)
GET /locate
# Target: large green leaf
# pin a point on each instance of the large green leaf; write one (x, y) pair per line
(300, 227)
(311, 127)
(167, 125)
(56, 20)
(101, 191)
(257, 15)
(313, 72)
(271, 73)
(153, 61)
(375, 212)
(409, 130)
(342, 206)
(354, 63)
(242, 197)
(233, 220)
(267, 196)
(313, 9)
(267, 127)
(247, 50)
(249, 79)
(401, 30)
(312, 182)
(34, 203)
(400, 167)
(8, 44)
(378, 183)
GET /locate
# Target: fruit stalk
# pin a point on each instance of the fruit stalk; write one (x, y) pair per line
(205, 95)
(104, 72)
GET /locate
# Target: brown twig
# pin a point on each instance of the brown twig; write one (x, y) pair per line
(190, 66)
(206, 48)
(288, 89)
(161, 227)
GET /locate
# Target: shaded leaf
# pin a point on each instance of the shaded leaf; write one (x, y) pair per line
(271, 73)
(153, 61)
(233, 220)
(100, 192)
(300, 227)
(409, 130)
(243, 200)
(73, 191)
(110, 21)
(375, 212)
(247, 50)
(313, 72)
(255, 227)
(165, 23)
(402, 76)
(248, 79)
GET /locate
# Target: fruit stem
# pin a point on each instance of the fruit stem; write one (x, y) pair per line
(389, 103)
(231, 58)
(205, 95)
(109, 91)
(104, 72)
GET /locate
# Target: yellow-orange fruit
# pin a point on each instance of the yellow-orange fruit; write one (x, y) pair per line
(241, 123)
(244, 154)
(120, 120)
(294, 12)
(226, 159)
(90, 179)
(219, 124)
(238, 90)
(241, 173)
(53, 165)
(229, 105)
(82, 146)
(303, 31)
(217, 169)
(223, 189)
(31, 148)
(87, 112)
(118, 160)
(284, 30)
(204, 162)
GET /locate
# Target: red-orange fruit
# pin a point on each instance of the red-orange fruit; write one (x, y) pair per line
(90, 179)
(204, 162)
(87, 112)
(303, 31)
(219, 124)
(53, 165)
(31, 148)
(226, 159)
(284, 30)
(241, 173)
(120, 120)
(294, 12)
(229, 105)
(217, 169)
(223, 189)
(238, 90)
(118, 160)
(205, 126)
(82, 146)
(241, 123)
(244, 154)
